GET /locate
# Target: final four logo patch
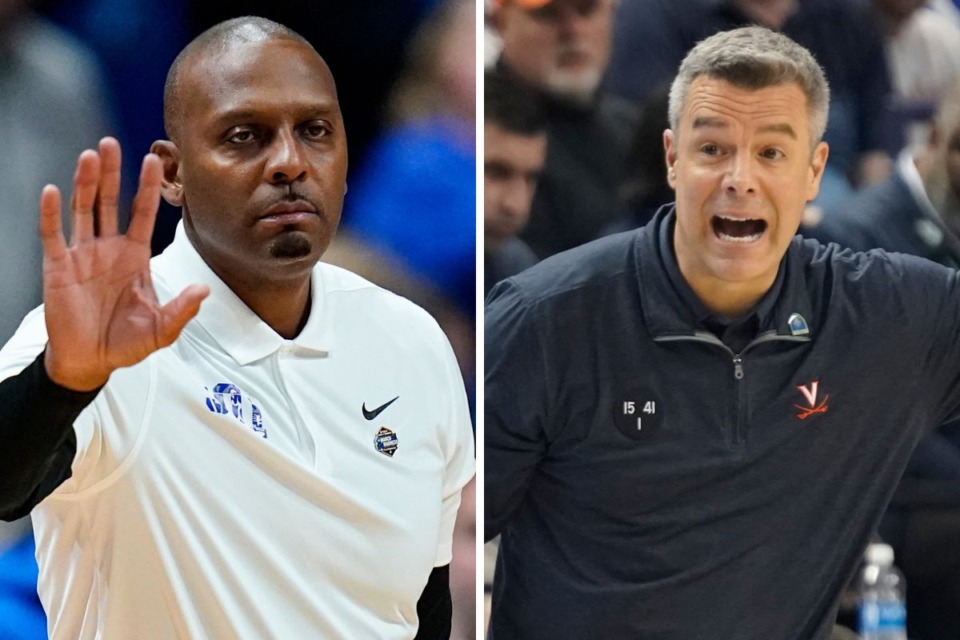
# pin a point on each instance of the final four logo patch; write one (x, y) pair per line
(386, 442)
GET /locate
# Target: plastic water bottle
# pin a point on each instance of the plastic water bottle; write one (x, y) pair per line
(883, 608)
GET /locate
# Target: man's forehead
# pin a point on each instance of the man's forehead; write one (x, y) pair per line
(712, 102)
(533, 5)
(495, 131)
(525, 4)
(243, 66)
(513, 148)
(255, 81)
(243, 54)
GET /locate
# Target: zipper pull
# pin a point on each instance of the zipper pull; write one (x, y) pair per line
(737, 367)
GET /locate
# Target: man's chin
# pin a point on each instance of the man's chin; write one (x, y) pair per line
(575, 86)
(742, 267)
(291, 246)
(494, 242)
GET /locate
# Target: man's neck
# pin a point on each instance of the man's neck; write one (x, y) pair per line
(730, 300)
(551, 98)
(283, 309)
(282, 302)
(284, 306)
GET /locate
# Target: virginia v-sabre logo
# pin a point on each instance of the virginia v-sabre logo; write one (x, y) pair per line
(810, 392)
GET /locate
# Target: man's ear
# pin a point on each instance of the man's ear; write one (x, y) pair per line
(670, 152)
(818, 162)
(170, 188)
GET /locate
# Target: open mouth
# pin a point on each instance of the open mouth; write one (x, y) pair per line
(738, 230)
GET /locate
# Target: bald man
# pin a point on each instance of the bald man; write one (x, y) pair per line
(228, 441)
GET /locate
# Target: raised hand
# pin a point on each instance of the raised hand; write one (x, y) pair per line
(101, 309)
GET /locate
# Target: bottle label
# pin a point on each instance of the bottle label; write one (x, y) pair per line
(882, 616)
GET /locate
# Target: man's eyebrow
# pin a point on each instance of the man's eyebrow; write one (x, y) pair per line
(702, 122)
(710, 122)
(780, 127)
(317, 109)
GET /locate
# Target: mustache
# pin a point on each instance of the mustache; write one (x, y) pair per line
(293, 196)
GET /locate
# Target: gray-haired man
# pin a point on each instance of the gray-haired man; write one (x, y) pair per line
(693, 429)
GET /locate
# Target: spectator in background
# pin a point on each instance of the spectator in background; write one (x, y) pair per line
(923, 48)
(52, 104)
(645, 188)
(414, 197)
(561, 49)
(491, 40)
(917, 211)
(136, 42)
(515, 146)
(652, 36)
(948, 9)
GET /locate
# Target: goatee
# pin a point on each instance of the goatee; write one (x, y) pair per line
(291, 245)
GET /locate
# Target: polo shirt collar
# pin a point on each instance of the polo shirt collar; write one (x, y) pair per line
(231, 323)
(671, 307)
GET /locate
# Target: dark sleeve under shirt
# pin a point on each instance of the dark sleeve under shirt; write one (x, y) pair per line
(37, 440)
(435, 607)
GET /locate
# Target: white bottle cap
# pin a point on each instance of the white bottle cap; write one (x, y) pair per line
(879, 553)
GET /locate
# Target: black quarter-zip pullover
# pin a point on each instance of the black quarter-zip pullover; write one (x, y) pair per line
(649, 481)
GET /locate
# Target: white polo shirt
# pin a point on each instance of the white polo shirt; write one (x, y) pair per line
(238, 485)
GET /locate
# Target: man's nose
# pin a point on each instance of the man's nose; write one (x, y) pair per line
(572, 22)
(517, 196)
(286, 161)
(741, 175)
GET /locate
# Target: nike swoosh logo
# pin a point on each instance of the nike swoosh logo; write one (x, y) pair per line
(370, 415)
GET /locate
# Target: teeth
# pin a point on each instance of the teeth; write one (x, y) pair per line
(737, 230)
(737, 219)
(742, 239)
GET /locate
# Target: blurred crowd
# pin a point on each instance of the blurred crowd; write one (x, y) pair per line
(73, 72)
(575, 108)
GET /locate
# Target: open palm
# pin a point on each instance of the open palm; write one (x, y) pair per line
(100, 306)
